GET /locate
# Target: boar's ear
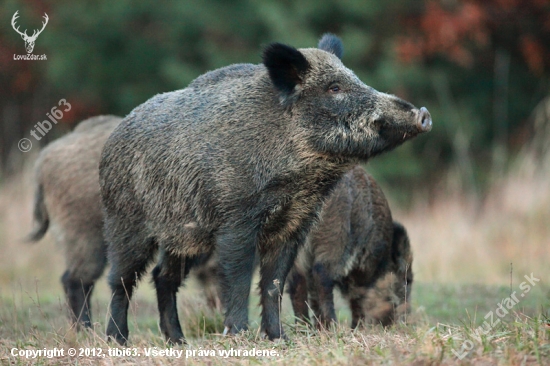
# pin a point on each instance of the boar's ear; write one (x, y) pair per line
(286, 66)
(330, 43)
(401, 247)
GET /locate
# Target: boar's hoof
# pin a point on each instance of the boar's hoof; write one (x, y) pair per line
(233, 330)
(176, 341)
(278, 339)
(119, 338)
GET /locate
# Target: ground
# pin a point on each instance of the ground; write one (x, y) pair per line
(472, 257)
(439, 330)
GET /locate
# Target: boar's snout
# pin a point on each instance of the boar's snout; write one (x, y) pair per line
(424, 120)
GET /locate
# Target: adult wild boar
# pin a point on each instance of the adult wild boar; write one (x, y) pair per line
(240, 160)
(359, 249)
(67, 201)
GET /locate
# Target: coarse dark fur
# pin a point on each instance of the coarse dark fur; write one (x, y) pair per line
(240, 160)
(67, 202)
(359, 249)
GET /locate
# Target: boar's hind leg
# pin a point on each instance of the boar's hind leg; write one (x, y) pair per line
(78, 294)
(128, 262)
(297, 289)
(275, 266)
(324, 285)
(167, 276)
(236, 260)
(86, 260)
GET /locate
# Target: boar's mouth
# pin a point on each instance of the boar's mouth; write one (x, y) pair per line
(397, 134)
(403, 131)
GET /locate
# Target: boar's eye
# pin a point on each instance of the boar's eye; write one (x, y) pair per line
(334, 88)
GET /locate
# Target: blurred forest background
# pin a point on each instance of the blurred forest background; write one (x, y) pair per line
(480, 66)
(476, 184)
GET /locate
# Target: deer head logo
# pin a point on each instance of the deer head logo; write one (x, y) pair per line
(29, 40)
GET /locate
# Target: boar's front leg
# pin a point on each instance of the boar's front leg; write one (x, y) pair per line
(323, 285)
(129, 261)
(167, 276)
(236, 251)
(274, 268)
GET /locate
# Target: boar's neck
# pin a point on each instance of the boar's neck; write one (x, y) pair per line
(290, 204)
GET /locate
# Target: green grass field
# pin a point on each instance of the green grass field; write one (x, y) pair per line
(444, 318)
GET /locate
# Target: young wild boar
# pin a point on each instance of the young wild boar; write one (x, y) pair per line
(241, 159)
(67, 201)
(357, 248)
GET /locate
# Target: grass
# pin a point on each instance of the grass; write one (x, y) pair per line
(463, 250)
(436, 327)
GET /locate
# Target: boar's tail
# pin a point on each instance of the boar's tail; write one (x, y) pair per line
(40, 215)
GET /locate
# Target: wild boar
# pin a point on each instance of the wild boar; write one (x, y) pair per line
(240, 160)
(67, 202)
(359, 249)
